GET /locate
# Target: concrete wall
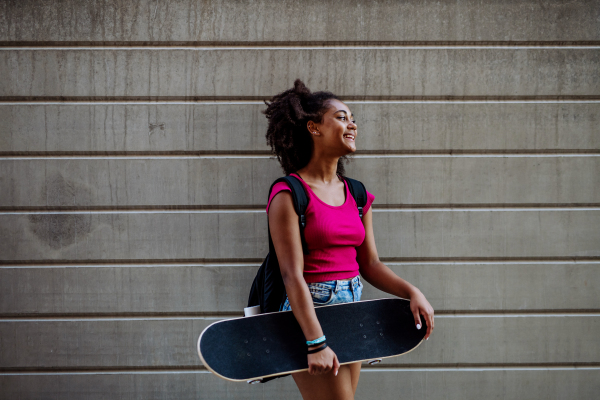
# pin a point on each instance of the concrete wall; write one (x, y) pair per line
(134, 174)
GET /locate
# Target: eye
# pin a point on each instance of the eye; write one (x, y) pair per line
(343, 118)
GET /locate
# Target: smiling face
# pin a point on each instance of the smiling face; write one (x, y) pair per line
(336, 133)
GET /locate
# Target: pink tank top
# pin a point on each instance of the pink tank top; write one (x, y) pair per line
(332, 234)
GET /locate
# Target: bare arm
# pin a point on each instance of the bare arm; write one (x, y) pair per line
(383, 278)
(285, 233)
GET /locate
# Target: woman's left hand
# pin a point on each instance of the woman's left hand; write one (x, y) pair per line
(420, 306)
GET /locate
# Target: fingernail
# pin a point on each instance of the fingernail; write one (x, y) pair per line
(427, 339)
(418, 326)
(336, 373)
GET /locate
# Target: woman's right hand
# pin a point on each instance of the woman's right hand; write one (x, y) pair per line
(322, 362)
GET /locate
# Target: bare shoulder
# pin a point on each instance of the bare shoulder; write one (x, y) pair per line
(283, 220)
(281, 205)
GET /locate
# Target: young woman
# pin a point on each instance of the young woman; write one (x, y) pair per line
(311, 133)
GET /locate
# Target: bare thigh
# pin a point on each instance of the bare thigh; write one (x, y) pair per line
(328, 386)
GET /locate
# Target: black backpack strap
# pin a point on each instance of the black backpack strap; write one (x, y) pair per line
(300, 200)
(358, 191)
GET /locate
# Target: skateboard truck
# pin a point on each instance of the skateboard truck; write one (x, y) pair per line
(375, 361)
(254, 381)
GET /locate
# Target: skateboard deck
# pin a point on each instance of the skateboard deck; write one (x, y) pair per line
(268, 345)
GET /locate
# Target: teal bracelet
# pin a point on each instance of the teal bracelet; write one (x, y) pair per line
(316, 341)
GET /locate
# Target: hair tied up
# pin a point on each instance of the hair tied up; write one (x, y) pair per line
(288, 113)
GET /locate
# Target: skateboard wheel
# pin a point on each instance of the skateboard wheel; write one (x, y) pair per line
(254, 381)
(373, 362)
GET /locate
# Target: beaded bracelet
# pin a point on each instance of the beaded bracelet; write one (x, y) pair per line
(316, 341)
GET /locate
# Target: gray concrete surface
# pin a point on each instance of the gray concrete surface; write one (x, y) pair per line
(171, 342)
(431, 384)
(246, 181)
(511, 329)
(405, 234)
(272, 20)
(241, 127)
(233, 73)
(82, 289)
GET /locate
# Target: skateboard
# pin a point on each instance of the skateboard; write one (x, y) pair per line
(264, 346)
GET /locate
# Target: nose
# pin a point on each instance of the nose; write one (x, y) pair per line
(352, 125)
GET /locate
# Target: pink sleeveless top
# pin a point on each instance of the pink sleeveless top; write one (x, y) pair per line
(332, 234)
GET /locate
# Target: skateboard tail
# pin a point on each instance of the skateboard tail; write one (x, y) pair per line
(248, 380)
(206, 365)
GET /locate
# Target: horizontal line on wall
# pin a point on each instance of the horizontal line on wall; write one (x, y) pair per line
(136, 211)
(490, 154)
(500, 262)
(83, 264)
(491, 260)
(482, 367)
(266, 154)
(200, 262)
(190, 316)
(517, 313)
(370, 368)
(578, 154)
(475, 152)
(261, 209)
(484, 209)
(100, 317)
(183, 208)
(153, 100)
(171, 153)
(256, 264)
(293, 45)
(142, 370)
(260, 102)
(235, 262)
(140, 157)
(491, 206)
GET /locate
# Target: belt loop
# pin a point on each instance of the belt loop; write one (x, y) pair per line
(335, 289)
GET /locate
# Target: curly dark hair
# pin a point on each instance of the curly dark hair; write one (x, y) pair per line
(288, 113)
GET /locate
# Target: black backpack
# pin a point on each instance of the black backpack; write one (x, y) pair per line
(268, 289)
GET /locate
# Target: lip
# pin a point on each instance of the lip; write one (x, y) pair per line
(350, 136)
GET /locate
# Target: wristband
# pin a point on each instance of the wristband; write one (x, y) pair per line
(318, 349)
(316, 341)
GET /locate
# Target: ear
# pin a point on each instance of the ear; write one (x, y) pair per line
(312, 128)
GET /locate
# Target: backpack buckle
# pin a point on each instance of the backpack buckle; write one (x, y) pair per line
(303, 221)
(360, 212)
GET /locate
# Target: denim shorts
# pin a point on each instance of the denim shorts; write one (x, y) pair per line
(332, 292)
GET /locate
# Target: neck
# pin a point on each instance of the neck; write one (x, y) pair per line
(320, 169)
